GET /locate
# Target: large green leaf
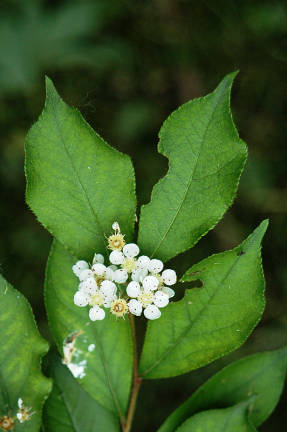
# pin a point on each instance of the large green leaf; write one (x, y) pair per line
(211, 321)
(20, 359)
(77, 185)
(206, 158)
(234, 419)
(102, 357)
(261, 374)
(70, 409)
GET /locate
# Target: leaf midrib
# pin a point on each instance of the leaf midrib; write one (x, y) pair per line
(190, 178)
(85, 194)
(108, 377)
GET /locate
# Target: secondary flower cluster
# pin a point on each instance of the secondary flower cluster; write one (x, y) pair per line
(130, 283)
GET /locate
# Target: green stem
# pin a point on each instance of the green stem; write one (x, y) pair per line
(136, 379)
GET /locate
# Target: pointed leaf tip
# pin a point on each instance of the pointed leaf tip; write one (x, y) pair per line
(198, 188)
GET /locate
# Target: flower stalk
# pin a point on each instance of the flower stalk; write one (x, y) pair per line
(137, 380)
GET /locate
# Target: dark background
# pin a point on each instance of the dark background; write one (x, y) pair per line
(126, 65)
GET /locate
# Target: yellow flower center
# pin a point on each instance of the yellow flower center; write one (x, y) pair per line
(6, 423)
(116, 242)
(129, 265)
(145, 298)
(97, 299)
(119, 307)
(99, 279)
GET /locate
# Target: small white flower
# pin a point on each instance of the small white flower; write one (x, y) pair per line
(98, 258)
(99, 269)
(117, 257)
(150, 283)
(169, 291)
(96, 313)
(139, 274)
(133, 289)
(121, 276)
(152, 312)
(79, 267)
(169, 277)
(108, 288)
(81, 299)
(24, 413)
(155, 266)
(161, 299)
(89, 286)
(143, 262)
(131, 250)
(135, 307)
(85, 274)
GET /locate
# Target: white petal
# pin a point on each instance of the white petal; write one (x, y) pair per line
(117, 257)
(79, 267)
(143, 262)
(108, 288)
(160, 299)
(139, 274)
(89, 286)
(152, 312)
(109, 274)
(169, 291)
(169, 277)
(133, 289)
(85, 274)
(155, 266)
(98, 259)
(108, 300)
(96, 313)
(81, 299)
(99, 269)
(131, 250)
(120, 276)
(135, 307)
(150, 283)
(116, 226)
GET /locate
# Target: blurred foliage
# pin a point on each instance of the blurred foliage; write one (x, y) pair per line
(126, 65)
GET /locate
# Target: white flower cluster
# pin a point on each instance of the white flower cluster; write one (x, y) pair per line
(130, 283)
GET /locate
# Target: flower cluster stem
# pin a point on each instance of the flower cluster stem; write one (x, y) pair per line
(136, 379)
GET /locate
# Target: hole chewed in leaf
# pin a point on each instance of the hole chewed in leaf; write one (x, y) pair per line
(74, 357)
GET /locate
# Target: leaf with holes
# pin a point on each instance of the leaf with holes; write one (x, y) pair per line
(211, 321)
(234, 419)
(77, 185)
(21, 351)
(206, 158)
(70, 409)
(99, 354)
(260, 374)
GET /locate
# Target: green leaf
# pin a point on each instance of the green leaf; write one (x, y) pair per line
(206, 158)
(211, 321)
(261, 374)
(234, 419)
(70, 409)
(20, 359)
(77, 185)
(102, 356)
